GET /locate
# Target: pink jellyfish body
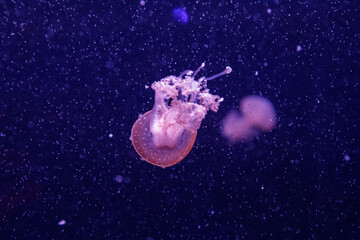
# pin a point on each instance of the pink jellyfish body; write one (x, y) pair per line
(164, 135)
(257, 114)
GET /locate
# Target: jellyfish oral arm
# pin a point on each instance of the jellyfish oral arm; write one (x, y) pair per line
(163, 125)
(169, 122)
(165, 134)
(190, 101)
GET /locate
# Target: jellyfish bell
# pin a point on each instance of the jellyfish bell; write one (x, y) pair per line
(165, 135)
(259, 111)
(163, 156)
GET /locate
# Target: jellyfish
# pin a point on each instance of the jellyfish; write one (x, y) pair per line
(257, 115)
(164, 135)
(180, 15)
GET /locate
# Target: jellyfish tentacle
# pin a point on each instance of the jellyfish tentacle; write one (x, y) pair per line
(198, 69)
(226, 71)
(186, 72)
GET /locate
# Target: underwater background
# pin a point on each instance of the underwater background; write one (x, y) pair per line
(73, 77)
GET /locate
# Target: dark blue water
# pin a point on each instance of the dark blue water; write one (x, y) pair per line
(72, 83)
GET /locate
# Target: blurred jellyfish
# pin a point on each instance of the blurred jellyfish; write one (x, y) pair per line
(257, 114)
(180, 15)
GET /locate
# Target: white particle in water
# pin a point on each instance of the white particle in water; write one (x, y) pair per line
(62, 222)
(119, 178)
